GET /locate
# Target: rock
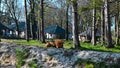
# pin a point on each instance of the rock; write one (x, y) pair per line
(8, 59)
(4, 48)
(52, 57)
(8, 66)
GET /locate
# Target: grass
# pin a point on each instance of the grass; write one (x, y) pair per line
(31, 42)
(69, 44)
(98, 47)
(89, 64)
(21, 55)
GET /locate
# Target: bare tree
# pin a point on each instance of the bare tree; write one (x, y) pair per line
(14, 10)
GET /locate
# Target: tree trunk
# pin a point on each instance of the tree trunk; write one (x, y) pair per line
(33, 25)
(42, 22)
(39, 23)
(31, 20)
(39, 30)
(117, 25)
(17, 28)
(93, 27)
(0, 16)
(102, 26)
(108, 25)
(75, 25)
(26, 23)
(34, 30)
(115, 29)
(67, 22)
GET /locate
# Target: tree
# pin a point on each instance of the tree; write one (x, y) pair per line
(61, 12)
(95, 5)
(93, 24)
(75, 24)
(26, 22)
(102, 26)
(117, 24)
(67, 7)
(33, 25)
(42, 21)
(14, 10)
(108, 25)
(0, 16)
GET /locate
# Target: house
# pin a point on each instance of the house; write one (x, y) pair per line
(21, 27)
(54, 31)
(4, 30)
(87, 35)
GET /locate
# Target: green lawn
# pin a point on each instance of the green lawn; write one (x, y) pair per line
(31, 42)
(69, 44)
(89, 46)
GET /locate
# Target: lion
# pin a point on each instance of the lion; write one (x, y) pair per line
(59, 43)
(50, 44)
(56, 43)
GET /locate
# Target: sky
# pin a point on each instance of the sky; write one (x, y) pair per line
(21, 2)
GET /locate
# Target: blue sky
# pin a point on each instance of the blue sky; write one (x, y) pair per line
(21, 2)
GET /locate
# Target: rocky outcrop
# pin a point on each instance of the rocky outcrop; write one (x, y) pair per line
(52, 57)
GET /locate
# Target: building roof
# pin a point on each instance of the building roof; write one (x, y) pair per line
(21, 26)
(3, 27)
(54, 29)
